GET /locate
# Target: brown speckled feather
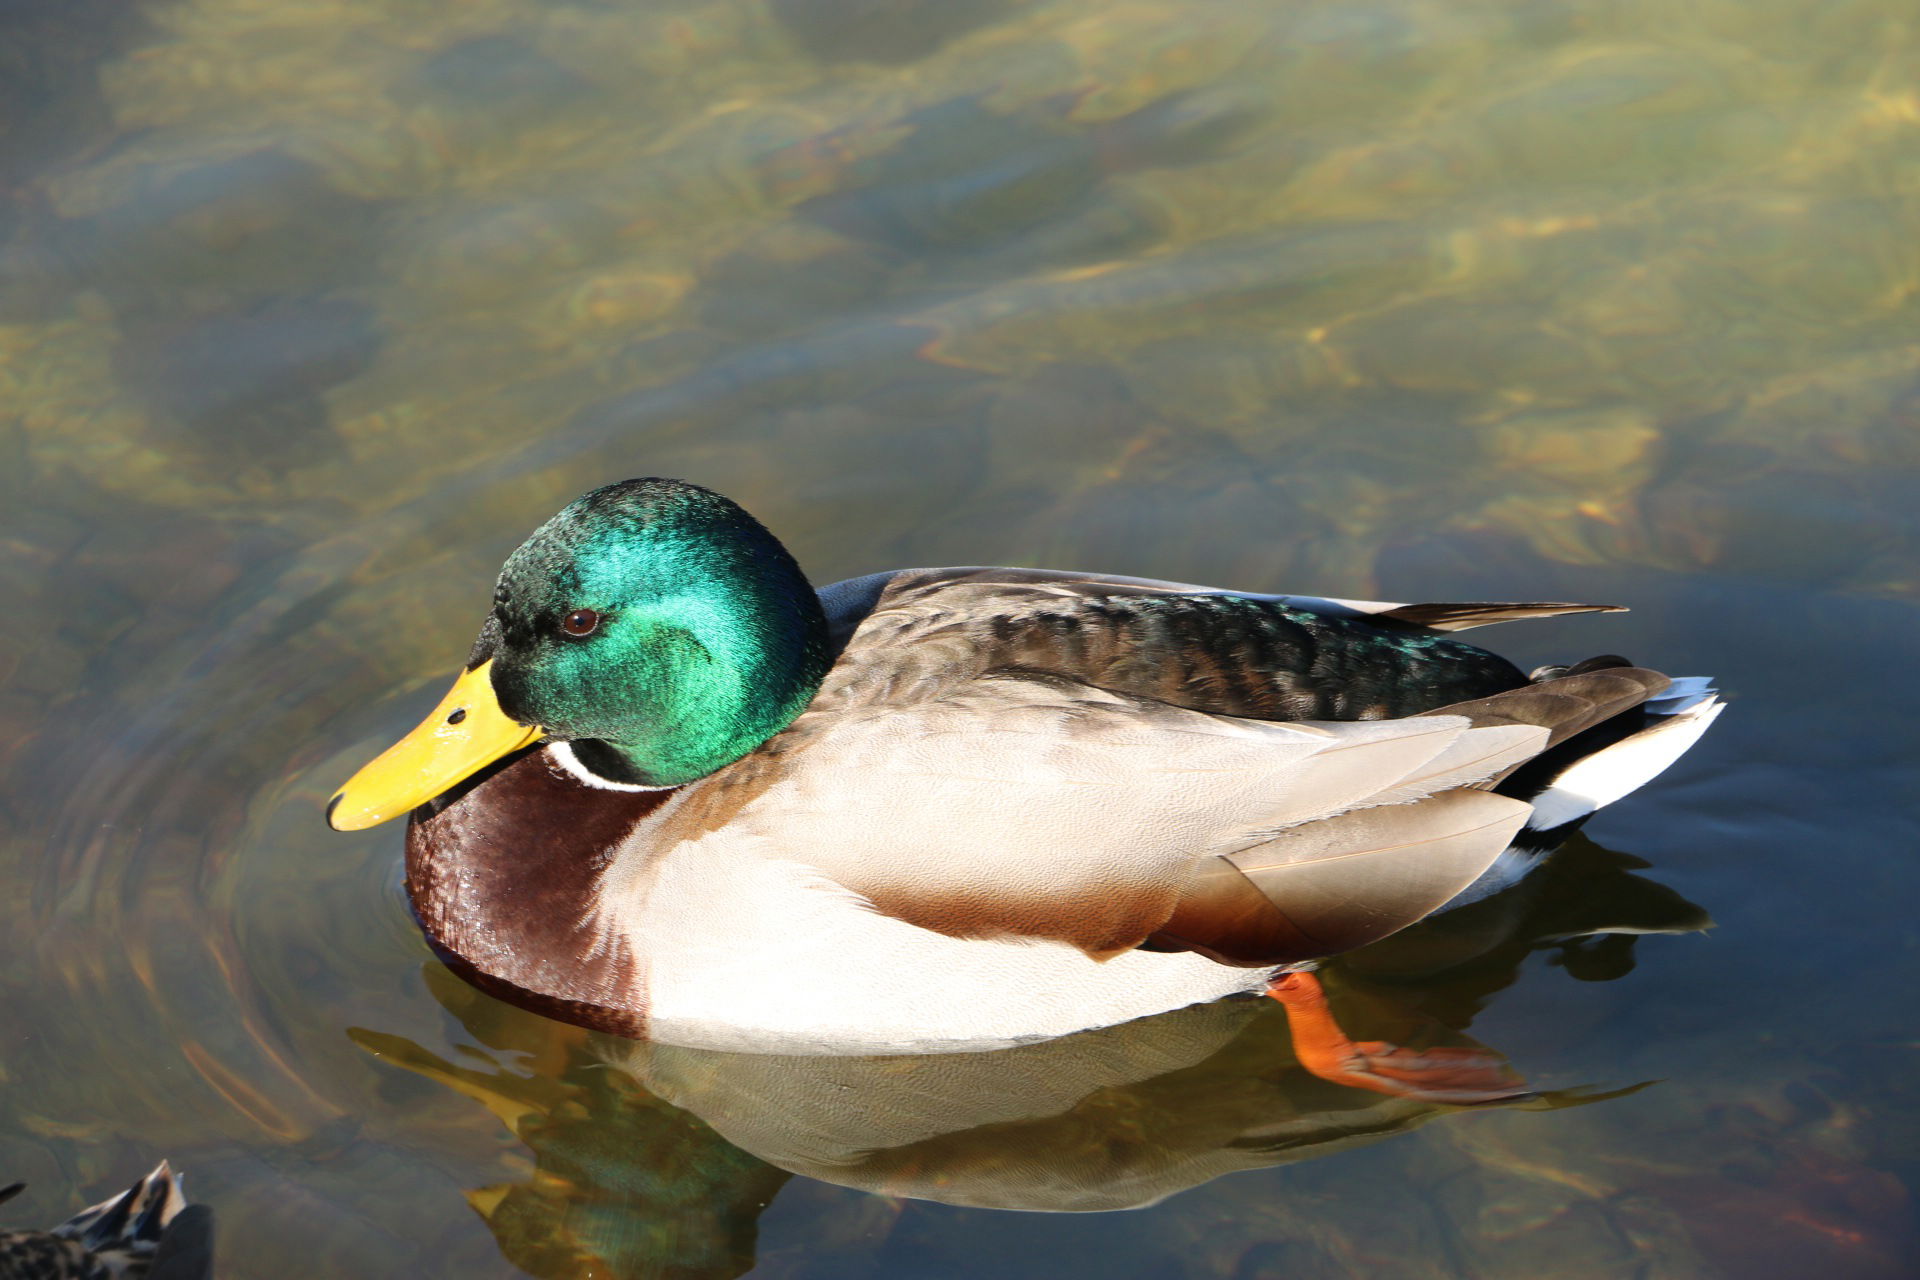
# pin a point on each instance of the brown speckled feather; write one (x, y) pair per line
(912, 631)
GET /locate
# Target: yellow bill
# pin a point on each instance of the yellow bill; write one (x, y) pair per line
(465, 733)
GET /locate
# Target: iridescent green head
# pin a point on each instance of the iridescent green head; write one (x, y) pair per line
(658, 627)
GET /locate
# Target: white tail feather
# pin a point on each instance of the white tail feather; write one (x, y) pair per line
(1627, 765)
(1684, 694)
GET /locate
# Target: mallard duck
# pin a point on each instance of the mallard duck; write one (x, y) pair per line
(679, 793)
(1113, 1118)
(149, 1230)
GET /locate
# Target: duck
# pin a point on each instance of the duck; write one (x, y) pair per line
(1118, 1117)
(147, 1232)
(678, 793)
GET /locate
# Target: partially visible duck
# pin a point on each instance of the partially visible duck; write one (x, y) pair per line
(679, 793)
(147, 1231)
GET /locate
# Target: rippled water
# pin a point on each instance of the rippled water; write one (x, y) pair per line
(310, 309)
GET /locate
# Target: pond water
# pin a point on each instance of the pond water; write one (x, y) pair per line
(311, 309)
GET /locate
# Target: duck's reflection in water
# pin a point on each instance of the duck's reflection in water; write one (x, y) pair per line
(650, 1151)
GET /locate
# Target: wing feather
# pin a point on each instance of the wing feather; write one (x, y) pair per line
(1453, 616)
(1100, 805)
(1358, 877)
(1334, 885)
(1119, 738)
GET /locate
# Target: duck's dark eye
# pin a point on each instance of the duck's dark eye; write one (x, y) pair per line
(581, 622)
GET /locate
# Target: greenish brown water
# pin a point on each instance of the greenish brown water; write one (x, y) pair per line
(310, 309)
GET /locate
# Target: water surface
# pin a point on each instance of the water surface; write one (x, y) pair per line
(311, 309)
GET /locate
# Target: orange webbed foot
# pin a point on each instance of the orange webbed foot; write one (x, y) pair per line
(1456, 1075)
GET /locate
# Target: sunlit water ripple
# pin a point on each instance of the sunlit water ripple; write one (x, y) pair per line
(310, 310)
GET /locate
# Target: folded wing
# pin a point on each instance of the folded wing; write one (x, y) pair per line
(1104, 808)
